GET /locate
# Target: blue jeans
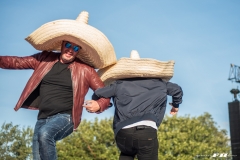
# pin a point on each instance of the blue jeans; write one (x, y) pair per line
(47, 132)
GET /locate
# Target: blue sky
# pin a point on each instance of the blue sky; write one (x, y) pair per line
(202, 37)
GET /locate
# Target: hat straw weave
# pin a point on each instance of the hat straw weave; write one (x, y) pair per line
(97, 51)
(137, 67)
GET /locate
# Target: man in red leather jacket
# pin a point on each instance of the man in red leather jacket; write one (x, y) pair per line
(59, 116)
(61, 80)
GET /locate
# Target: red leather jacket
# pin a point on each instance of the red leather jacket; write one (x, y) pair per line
(83, 77)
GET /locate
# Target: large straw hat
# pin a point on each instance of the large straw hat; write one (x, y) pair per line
(136, 67)
(96, 51)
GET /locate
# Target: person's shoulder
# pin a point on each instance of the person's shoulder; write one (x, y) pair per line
(50, 53)
(46, 55)
(82, 65)
(119, 81)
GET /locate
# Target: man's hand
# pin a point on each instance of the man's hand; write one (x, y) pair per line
(174, 110)
(91, 106)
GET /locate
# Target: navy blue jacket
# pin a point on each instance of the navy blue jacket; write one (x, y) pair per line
(138, 99)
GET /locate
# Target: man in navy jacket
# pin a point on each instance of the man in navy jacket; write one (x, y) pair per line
(140, 103)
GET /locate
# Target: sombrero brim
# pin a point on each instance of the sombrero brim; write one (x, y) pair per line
(97, 51)
(130, 68)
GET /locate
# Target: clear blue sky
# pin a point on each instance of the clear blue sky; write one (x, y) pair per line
(203, 37)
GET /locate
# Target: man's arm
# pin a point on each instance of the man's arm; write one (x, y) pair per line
(106, 92)
(102, 103)
(14, 62)
(174, 110)
(176, 92)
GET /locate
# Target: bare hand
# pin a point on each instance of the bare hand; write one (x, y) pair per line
(174, 110)
(91, 106)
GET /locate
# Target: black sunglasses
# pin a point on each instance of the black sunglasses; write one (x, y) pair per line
(75, 48)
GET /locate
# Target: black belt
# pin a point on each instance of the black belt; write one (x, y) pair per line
(142, 127)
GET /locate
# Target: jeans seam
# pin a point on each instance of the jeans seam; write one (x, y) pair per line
(66, 131)
(62, 129)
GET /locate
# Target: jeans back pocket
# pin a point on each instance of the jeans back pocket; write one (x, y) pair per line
(120, 141)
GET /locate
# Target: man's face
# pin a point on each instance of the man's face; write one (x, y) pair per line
(68, 52)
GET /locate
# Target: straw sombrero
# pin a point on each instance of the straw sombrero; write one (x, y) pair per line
(97, 51)
(137, 67)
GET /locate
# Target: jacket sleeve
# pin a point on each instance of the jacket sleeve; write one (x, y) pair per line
(96, 83)
(106, 92)
(176, 92)
(14, 62)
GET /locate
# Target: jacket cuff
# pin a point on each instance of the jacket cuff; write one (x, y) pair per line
(104, 103)
(175, 105)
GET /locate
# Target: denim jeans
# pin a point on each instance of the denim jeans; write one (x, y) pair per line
(47, 132)
(141, 141)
